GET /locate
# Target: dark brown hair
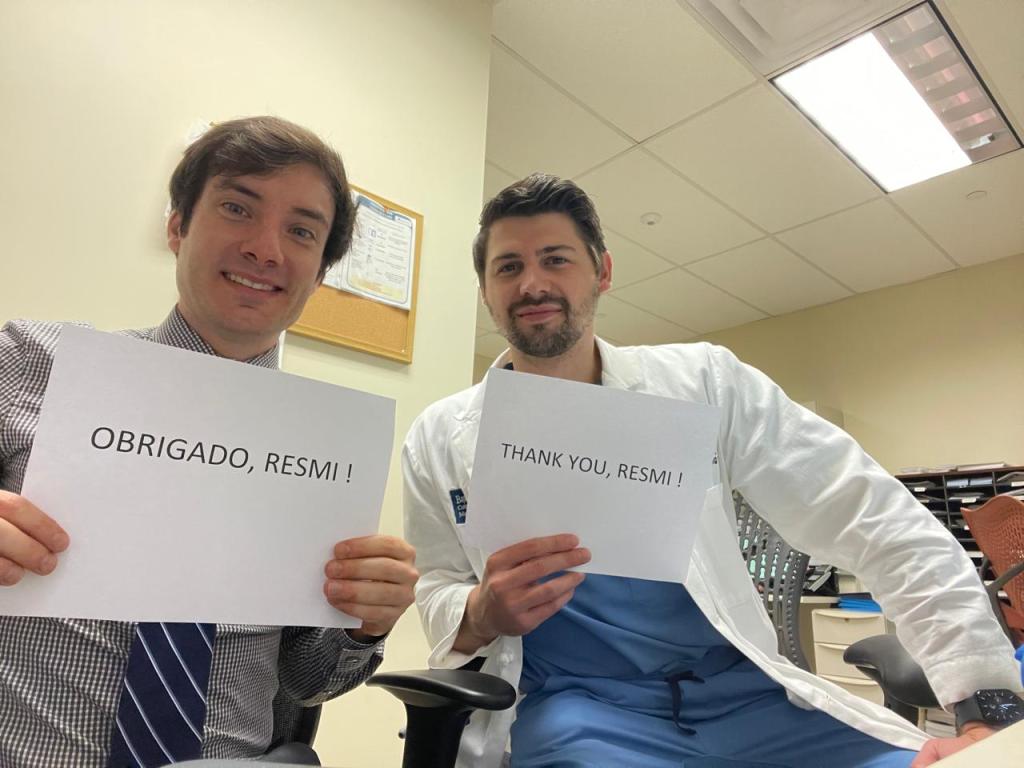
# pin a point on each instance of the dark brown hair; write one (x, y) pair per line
(541, 193)
(259, 146)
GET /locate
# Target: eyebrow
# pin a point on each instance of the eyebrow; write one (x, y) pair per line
(542, 252)
(241, 189)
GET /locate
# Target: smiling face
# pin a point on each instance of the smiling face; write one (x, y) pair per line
(251, 256)
(541, 285)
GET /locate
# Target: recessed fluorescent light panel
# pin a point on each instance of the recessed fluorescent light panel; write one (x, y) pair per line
(902, 101)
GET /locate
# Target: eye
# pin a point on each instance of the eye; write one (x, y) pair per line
(304, 233)
(554, 259)
(233, 208)
(508, 268)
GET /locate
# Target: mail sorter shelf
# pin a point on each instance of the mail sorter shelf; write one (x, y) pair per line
(944, 494)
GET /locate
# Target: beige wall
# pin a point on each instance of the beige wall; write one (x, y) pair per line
(928, 373)
(924, 374)
(480, 365)
(97, 98)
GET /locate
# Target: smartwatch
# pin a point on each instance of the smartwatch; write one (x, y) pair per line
(995, 707)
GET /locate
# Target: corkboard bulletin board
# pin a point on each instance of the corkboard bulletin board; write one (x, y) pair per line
(339, 317)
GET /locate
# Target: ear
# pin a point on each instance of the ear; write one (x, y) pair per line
(605, 273)
(174, 233)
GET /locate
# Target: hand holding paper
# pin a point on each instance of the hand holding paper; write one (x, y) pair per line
(175, 472)
(371, 578)
(29, 539)
(625, 471)
(511, 599)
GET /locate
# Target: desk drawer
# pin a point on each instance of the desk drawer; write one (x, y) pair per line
(833, 625)
(828, 660)
(866, 689)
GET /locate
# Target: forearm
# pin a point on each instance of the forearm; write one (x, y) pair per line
(472, 636)
(825, 496)
(317, 664)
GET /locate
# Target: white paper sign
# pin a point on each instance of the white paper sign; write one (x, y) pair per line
(195, 488)
(624, 471)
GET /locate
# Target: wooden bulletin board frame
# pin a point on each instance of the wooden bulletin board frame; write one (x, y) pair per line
(343, 318)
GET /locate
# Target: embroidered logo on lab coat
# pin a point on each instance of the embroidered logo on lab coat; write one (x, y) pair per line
(458, 505)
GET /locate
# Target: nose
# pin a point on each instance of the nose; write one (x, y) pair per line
(534, 282)
(263, 245)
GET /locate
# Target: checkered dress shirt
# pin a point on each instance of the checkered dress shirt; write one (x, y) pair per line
(60, 679)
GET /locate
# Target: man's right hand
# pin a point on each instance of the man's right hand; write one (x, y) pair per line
(511, 599)
(29, 539)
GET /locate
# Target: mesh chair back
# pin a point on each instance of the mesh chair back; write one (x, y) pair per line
(998, 528)
(778, 572)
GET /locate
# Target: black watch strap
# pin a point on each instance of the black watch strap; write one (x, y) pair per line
(967, 711)
(994, 707)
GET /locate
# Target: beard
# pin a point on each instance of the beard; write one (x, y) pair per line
(540, 341)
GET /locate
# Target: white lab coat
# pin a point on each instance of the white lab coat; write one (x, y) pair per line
(809, 479)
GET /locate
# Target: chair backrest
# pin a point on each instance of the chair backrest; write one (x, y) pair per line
(778, 572)
(998, 528)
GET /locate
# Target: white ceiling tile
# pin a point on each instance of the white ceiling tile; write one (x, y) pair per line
(643, 65)
(759, 156)
(629, 325)
(977, 230)
(688, 301)
(991, 32)
(868, 247)
(491, 345)
(631, 262)
(495, 180)
(692, 224)
(483, 316)
(531, 126)
(770, 277)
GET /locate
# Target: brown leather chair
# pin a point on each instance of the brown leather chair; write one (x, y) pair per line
(998, 528)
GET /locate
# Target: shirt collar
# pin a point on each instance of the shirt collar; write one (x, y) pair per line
(176, 332)
(616, 370)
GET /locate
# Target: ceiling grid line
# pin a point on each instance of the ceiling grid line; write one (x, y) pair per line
(574, 99)
(747, 196)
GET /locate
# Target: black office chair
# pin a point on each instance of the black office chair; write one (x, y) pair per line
(778, 572)
(438, 703)
(905, 689)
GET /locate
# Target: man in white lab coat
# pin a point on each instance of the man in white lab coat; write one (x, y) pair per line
(626, 672)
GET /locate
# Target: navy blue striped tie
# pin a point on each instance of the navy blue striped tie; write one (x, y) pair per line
(163, 702)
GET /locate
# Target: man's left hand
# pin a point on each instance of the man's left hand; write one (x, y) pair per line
(936, 749)
(371, 578)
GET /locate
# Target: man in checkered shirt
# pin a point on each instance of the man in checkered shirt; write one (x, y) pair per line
(260, 210)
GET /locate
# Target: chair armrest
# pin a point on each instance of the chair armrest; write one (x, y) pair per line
(885, 661)
(438, 703)
(447, 687)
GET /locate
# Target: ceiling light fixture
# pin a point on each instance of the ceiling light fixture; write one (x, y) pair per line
(902, 101)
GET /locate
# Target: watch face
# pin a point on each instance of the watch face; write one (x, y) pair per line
(1000, 707)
